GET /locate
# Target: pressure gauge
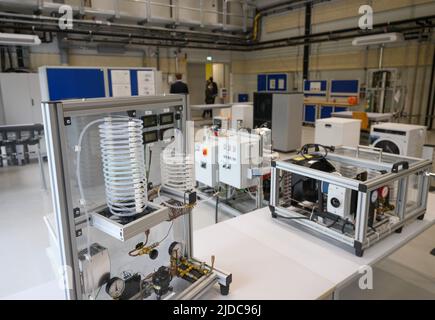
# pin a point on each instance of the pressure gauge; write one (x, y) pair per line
(384, 192)
(375, 196)
(175, 249)
(115, 287)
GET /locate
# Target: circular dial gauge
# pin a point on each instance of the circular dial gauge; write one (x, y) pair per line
(384, 192)
(176, 248)
(115, 287)
(374, 196)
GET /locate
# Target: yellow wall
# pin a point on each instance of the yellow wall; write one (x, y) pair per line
(342, 9)
(208, 70)
(405, 56)
(37, 60)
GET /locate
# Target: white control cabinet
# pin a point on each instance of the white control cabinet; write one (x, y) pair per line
(338, 132)
(237, 153)
(206, 162)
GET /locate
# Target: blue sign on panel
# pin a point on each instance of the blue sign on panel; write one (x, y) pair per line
(262, 82)
(310, 113)
(68, 83)
(344, 86)
(326, 112)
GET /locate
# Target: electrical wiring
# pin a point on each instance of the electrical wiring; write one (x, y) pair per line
(167, 235)
(304, 151)
(333, 223)
(138, 251)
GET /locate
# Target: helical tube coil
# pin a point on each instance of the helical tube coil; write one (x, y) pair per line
(177, 170)
(123, 160)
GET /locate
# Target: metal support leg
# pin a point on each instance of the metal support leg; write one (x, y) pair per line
(41, 168)
(259, 198)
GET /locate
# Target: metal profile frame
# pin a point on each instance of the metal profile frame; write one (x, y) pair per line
(54, 114)
(363, 237)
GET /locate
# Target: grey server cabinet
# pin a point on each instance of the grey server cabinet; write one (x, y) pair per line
(282, 113)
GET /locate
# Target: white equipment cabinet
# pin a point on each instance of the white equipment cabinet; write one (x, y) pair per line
(282, 113)
(401, 139)
(242, 116)
(206, 165)
(20, 99)
(338, 132)
(238, 152)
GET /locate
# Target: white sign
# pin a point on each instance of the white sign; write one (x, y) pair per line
(121, 85)
(146, 83)
(315, 86)
(272, 84)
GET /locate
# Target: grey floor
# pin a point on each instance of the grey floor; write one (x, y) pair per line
(28, 274)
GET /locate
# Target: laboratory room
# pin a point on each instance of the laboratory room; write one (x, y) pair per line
(217, 151)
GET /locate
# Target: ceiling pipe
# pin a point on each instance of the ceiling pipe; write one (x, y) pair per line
(100, 23)
(358, 30)
(53, 28)
(220, 44)
(226, 48)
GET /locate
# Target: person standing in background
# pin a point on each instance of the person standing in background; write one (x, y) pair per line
(211, 92)
(179, 87)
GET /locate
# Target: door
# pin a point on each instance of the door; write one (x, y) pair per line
(196, 79)
(35, 97)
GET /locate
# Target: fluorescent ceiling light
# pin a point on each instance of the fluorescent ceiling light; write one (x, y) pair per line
(209, 58)
(19, 39)
(378, 39)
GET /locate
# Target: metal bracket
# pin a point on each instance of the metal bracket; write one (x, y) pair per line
(76, 212)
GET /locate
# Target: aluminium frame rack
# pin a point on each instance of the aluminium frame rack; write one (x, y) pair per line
(397, 169)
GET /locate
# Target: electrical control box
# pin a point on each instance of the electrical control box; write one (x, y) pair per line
(339, 199)
(206, 161)
(98, 270)
(238, 152)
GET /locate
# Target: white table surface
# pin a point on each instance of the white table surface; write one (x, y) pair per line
(270, 259)
(373, 116)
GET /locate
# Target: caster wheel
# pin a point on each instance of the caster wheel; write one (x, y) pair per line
(225, 290)
(399, 230)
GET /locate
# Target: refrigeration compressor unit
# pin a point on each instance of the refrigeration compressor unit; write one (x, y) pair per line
(354, 197)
